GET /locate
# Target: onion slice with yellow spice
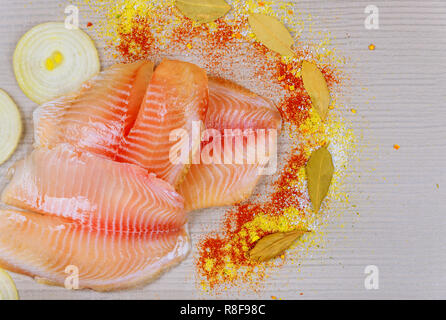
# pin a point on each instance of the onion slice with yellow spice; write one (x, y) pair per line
(10, 126)
(8, 290)
(51, 60)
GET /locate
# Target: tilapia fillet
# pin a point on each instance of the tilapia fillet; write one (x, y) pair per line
(95, 191)
(44, 246)
(176, 98)
(99, 115)
(217, 184)
(92, 198)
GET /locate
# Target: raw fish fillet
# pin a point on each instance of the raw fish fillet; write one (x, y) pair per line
(93, 190)
(97, 117)
(218, 184)
(232, 106)
(53, 249)
(177, 96)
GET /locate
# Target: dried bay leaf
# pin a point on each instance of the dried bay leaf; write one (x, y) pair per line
(316, 87)
(272, 33)
(274, 244)
(319, 171)
(203, 11)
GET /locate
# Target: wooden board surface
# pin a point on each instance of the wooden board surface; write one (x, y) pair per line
(399, 91)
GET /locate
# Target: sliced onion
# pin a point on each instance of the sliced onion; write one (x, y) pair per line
(8, 290)
(10, 126)
(51, 60)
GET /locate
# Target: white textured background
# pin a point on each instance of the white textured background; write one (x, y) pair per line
(399, 91)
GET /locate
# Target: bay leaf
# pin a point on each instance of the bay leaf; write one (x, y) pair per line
(274, 244)
(319, 171)
(203, 11)
(272, 33)
(316, 87)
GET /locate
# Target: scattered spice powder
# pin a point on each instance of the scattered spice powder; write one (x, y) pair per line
(248, 222)
(146, 29)
(138, 43)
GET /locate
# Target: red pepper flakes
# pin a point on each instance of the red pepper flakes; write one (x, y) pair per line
(187, 31)
(221, 37)
(223, 34)
(294, 109)
(237, 35)
(137, 44)
(264, 50)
